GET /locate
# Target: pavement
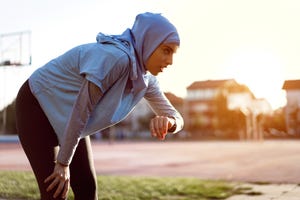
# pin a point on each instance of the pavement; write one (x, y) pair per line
(271, 168)
(269, 192)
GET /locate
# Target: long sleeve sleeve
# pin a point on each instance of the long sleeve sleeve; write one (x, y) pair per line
(161, 105)
(87, 99)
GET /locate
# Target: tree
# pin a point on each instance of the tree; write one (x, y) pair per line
(10, 126)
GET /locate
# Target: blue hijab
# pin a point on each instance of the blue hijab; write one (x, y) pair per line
(147, 33)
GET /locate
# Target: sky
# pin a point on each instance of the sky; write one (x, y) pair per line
(256, 42)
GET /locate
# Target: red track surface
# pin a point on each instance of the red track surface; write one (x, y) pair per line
(268, 161)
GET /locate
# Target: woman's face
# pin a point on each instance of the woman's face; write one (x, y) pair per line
(161, 58)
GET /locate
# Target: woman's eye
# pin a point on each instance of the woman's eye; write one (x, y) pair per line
(167, 51)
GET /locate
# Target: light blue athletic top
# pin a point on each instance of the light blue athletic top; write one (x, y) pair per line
(57, 84)
(116, 65)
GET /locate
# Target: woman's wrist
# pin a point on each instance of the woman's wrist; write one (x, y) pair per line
(62, 164)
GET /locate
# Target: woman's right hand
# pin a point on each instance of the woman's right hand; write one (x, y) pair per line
(60, 180)
(159, 126)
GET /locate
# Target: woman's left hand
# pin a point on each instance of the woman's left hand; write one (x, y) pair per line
(159, 126)
(60, 179)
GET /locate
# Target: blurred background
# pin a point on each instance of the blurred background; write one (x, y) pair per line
(235, 76)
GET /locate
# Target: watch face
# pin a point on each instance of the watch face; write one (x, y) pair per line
(173, 128)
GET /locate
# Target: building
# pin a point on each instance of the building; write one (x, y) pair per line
(292, 109)
(222, 107)
(201, 105)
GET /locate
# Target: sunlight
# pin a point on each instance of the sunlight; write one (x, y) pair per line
(11, 79)
(261, 71)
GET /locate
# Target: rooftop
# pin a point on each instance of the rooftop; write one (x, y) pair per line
(209, 84)
(291, 84)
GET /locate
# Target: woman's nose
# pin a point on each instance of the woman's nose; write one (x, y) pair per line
(170, 60)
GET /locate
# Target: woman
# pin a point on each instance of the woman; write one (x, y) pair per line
(87, 89)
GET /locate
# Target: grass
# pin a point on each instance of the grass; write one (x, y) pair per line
(22, 185)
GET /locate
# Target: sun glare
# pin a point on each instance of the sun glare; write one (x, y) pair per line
(262, 72)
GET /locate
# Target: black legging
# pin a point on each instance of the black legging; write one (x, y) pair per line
(40, 144)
